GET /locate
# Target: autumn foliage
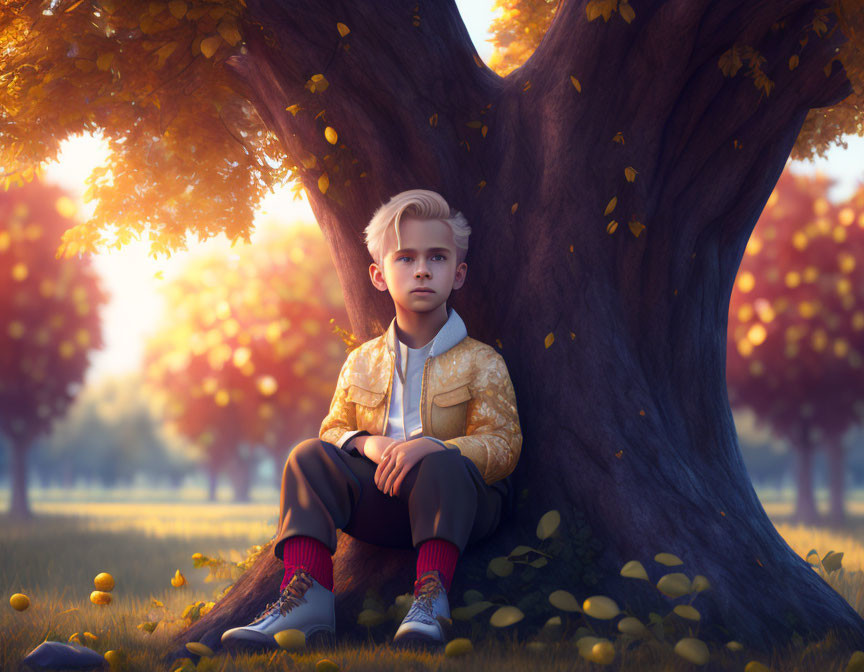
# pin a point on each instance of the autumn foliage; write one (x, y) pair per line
(189, 151)
(521, 24)
(246, 353)
(49, 316)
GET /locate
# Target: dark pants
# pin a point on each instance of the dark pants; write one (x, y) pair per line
(443, 496)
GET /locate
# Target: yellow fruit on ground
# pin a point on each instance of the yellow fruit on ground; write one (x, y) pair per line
(19, 601)
(326, 665)
(178, 579)
(290, 639)
(603, 652)
(104, 581)
(100, 597)
(460, 646)
(199, 649)
(114, 658)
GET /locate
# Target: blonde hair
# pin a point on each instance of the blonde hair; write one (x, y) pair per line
(420, 204)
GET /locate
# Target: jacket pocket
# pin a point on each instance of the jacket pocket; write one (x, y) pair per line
(366, 406)
(364, 397)
(450, 412)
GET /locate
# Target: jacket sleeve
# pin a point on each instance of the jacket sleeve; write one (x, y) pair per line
(340, 424)
(493, 439)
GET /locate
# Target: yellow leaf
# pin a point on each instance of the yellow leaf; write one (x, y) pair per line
(164, 52)
(594, 10)
(228, 30)
(571, 248)
(619, 137)
(433, 120)
(636, 227)
(610, 206)
(343, 29)
(293, 109)
(177, 8)
(103, 62)
(527, 85)
(611, 226)
(549, 340)
(317, 83)
(630, 173)
(323, 183)
(157, 275)
(331, 135)
(210, 45)
(481, 184)
(576, 83)
(730, 61)
(483, 130)
(627, 12)
(513, 208)
(793, 61)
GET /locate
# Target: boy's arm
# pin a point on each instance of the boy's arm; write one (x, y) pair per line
(493, 439)
(340, 424)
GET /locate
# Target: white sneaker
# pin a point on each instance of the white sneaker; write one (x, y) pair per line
(303, 605)
(428, 620)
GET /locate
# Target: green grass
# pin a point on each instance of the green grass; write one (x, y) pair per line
(54, 558)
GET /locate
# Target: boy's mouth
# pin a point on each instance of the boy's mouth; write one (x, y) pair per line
(422, 290)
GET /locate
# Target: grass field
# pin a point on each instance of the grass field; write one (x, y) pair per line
(54, 558)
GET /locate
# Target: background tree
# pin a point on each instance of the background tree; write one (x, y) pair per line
(796, 319)
(243, 357)
(111, 435)
(49, 322)
(609, 300)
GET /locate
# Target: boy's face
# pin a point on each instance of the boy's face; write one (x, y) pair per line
(426, 259)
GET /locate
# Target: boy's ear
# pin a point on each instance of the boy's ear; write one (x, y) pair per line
(459, 280)
(377, 277)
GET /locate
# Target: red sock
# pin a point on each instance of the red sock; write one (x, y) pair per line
(311, 555)
(437, 554)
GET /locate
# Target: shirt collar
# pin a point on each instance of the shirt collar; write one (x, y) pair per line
(449, 335)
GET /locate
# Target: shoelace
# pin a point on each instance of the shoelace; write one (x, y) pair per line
(291, 596)
(424, 600)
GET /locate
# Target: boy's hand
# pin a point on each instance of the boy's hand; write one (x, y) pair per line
(398, 459)
(373, 446)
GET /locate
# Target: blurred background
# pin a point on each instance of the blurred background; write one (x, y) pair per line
(166, 393)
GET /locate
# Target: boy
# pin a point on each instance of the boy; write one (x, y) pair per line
(417, 448)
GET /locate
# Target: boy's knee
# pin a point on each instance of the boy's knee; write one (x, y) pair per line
(306, 450)
(442, 462)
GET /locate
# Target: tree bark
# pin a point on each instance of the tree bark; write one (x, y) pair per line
(837, 482)
(626, 421)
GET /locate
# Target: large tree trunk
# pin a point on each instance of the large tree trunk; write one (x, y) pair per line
(805, 506)
(19, 506)
(626, 421)
(837, 482)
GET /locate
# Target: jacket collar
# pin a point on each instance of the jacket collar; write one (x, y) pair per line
(450, 334)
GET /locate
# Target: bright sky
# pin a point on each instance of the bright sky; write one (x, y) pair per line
(129, 273)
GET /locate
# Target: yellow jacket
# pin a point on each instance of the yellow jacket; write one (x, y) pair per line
(466, 400)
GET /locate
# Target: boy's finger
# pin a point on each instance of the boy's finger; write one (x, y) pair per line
(391, 478)
(383, 471)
